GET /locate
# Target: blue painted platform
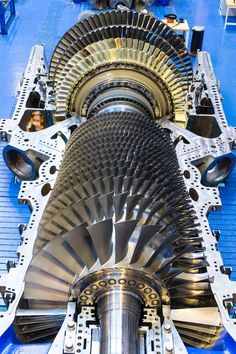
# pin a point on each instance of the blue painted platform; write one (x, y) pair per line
(45, 21)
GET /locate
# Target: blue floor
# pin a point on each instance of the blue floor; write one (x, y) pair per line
(11, 215)
(45, 21)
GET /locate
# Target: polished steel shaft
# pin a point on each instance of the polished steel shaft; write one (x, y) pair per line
(119, 314)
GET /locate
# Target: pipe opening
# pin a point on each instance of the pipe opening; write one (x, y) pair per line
(20, 164)
(218, 170)
(24, 164)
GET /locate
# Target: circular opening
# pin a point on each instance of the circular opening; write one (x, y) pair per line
(218, 170)
(187, 174)
(52, 170)
(20, 164)
(193, 194)
(45, 189)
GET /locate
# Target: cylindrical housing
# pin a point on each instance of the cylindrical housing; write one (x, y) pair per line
(119, 314)
(197, 39)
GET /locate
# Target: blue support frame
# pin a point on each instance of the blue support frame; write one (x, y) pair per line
(7, 13)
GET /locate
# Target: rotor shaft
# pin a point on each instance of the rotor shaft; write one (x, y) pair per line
(119, 313)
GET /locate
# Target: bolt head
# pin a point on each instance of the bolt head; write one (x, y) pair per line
(71, 325)
(167, 327)
(169, 347)
(69, 344)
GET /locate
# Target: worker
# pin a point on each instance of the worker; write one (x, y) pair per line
(35, 122)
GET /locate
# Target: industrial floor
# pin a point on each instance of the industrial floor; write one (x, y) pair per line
(45, 21)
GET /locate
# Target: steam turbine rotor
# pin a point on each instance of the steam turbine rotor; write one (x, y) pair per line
(121, 49)
(119, 233)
